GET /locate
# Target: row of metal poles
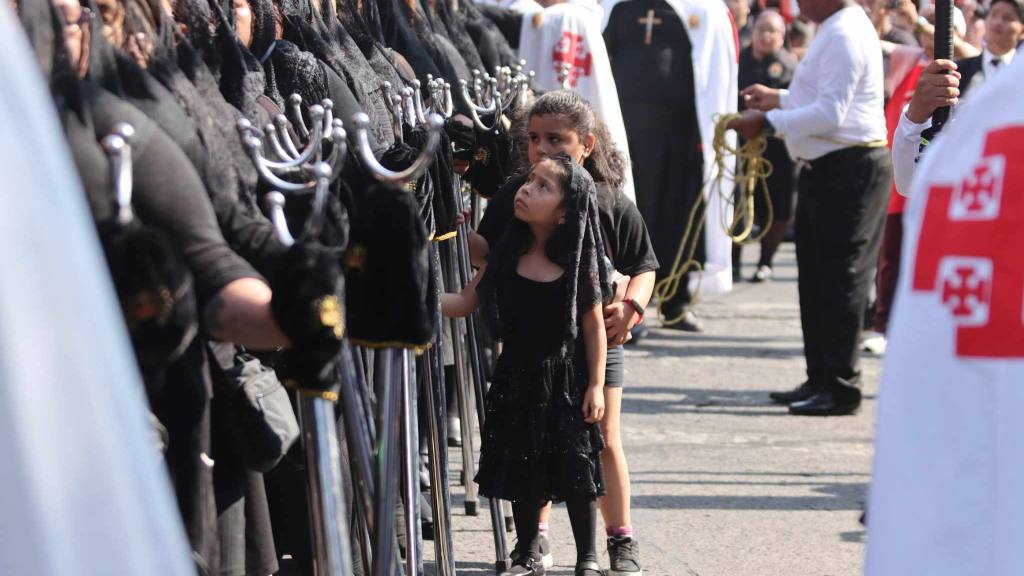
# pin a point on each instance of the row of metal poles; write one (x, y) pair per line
(379, 440)
(370, 440)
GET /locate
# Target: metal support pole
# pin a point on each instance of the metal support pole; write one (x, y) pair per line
(438, 450)
(411, 460)
(454, 283)
(388, 436)
(476, 362)
(358, 434)
(332, 555)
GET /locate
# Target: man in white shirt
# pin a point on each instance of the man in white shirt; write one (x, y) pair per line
(832, 118)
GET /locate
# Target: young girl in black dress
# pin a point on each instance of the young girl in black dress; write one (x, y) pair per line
(542, 289)
(561, 121)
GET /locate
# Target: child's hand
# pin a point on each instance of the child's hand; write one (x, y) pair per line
(618, 321)
(593, 404)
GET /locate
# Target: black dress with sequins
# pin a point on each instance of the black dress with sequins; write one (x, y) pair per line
(536, 444)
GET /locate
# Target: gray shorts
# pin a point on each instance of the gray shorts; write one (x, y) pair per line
(615, 368)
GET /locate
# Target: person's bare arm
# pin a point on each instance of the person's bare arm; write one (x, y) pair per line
(241, 313)
(465, 302)
(478, 250)
(597, 355)
(619, 317)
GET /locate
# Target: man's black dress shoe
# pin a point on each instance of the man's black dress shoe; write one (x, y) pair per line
(824, 404)
(798, 394)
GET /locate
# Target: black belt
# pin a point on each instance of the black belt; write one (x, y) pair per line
(843, 154)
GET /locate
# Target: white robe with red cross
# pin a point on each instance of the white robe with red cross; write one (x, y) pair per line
(947, 497)
(715, 55)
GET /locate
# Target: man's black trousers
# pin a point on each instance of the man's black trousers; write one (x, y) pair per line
(840, 215)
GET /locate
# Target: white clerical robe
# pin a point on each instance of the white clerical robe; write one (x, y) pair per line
(715, 56)
(947, 497)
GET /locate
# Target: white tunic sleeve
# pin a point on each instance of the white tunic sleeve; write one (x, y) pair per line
(906, 146)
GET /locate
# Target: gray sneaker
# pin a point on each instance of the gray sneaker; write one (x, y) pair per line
(624, 556)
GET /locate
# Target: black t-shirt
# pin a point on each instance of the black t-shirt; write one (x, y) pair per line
(624, 230)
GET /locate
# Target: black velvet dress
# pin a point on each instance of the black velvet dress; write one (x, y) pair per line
(536, 444)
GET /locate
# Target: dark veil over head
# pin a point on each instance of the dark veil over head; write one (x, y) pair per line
(577, 247)
(44, 28)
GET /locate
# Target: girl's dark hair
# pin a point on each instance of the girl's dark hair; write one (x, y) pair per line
(606, 163)
(576, 246)
(558, 247)
(519, 236)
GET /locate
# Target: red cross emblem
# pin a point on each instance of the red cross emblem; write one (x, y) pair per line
(966, 251)
(572, 49)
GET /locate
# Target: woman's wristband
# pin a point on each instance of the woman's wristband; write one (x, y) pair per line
(636, 307)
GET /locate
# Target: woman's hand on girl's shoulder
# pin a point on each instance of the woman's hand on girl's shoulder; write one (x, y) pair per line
(593, 404)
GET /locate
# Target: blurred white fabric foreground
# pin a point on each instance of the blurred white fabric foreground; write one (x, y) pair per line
(82, 489)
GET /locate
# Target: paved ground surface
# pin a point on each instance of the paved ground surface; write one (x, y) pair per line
(725, 483)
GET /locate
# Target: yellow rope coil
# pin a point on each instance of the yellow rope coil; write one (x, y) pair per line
(750, 175)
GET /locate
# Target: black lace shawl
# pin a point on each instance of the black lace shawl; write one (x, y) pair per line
(43, 28)
(455, 26)
(398, 33)
(238, 72)
(323, 37)
(487, 36)
(577, 247)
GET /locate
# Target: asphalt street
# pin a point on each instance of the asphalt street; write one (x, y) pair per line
(724, 482)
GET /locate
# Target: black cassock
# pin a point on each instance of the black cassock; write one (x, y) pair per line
(653, 73)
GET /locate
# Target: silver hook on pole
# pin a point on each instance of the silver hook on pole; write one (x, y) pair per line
(475, 111)
(410, 107)
(426, 156)
(565, 75)
(265, 168)
(449, 105)
(295, 104)
(312, 149)
(328, 105)
(397, 118)
(117, 146)
(339, 146)
(273, 203)
(281, 123)
(275, 144)
(421, 114)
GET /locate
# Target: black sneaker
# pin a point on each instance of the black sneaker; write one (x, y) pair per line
(624, 556)
(525, 565)
(547, 559)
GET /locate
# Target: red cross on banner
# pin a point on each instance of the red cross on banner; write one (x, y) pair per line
(572, 49)
(966, 250)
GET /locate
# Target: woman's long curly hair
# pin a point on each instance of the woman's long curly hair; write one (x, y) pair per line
(606, 164)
